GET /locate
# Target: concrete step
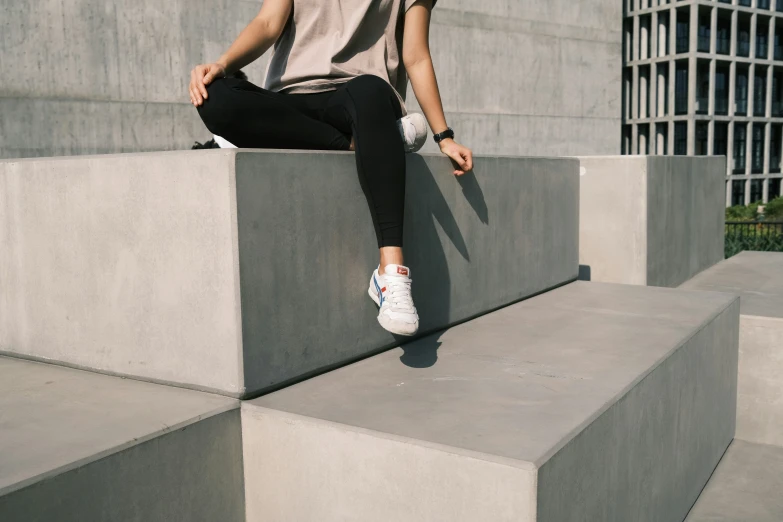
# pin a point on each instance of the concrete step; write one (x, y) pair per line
(77, 446)
(590, 402)
(654, 220)
(747, 486)
(756, 277)
(240, 271)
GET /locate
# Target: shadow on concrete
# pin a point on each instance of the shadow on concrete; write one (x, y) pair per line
(475, 196)
(426, 210)
(584, 273)
(422, 353)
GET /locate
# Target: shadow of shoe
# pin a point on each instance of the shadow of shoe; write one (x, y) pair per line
(422, 353)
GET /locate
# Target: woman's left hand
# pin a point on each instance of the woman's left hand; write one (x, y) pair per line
(461, 156)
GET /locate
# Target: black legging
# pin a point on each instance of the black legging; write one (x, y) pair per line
(365, 108)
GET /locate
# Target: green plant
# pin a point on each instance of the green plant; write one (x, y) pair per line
(773, 211)
(742, 212)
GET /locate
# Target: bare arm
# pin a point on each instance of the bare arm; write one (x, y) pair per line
(254, 40)
(418, 63)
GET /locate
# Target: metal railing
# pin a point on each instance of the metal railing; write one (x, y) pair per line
(764, 236)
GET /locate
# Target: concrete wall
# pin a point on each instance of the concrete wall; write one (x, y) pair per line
(228, 271)
(654, 220)
(536, 78)
(756, 277)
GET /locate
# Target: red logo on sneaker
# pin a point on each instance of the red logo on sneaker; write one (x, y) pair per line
(383, 289)
(402, 270)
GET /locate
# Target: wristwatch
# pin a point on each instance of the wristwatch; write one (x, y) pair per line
(448, 133)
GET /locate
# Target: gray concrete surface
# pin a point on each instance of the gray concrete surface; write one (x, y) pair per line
(237, 271)
(78, 446)
(747, 486)
(654, 220)
(756, 277)
(589, 402)
(540, 77)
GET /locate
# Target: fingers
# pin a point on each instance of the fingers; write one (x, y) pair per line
(468, 155)
(197, 88)
(206, 79)
(195, 97)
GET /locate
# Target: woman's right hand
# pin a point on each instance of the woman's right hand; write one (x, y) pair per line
(200, 77)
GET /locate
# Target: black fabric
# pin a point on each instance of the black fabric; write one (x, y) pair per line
(365, 108)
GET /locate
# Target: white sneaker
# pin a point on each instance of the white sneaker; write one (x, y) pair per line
(413, 129)
(392, 293)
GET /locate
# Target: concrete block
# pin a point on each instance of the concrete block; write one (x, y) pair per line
(590, 402)
(241, 271)
(77, 446)
(756, 277)
(655, 221)
(746, 486)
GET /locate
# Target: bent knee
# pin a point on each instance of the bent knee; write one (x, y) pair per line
(216, 107)
(370, 84)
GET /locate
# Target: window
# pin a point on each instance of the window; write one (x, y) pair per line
(703, 92)
(756, 190)
(720, 146)
(740, 137)
(776, 105)
(760, 94)
(743, 41)
(721, 90)
(681, 138)
(774, 188)
(762, 41)
(704, 34)
(774, 147)
(626, 139)
(723, 36)
(682, 35)
(681, 89)
(737, 192)
(741, 97)
(757, 161)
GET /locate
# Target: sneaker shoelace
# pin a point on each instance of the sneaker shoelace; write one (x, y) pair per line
(398, 294)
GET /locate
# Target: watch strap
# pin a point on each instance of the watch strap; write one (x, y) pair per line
(448, 133)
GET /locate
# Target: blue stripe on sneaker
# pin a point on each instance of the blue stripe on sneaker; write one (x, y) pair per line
(378, 288)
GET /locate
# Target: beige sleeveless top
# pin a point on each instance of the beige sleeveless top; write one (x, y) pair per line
(328, 42)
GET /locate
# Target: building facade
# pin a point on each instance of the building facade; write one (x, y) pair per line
(706, 77)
